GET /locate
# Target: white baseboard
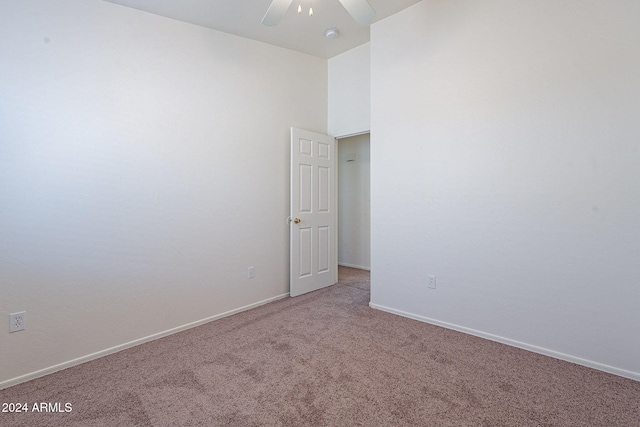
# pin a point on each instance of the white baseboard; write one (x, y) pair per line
(359, 267)
(89, 357)
(540, 350)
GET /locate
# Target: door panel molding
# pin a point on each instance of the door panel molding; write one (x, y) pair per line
(314, 225)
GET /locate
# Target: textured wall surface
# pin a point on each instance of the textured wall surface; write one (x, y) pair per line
(505, 137)
(350, 92)
(144, 166)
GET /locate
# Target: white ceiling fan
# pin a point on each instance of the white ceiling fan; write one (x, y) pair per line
(360, 10)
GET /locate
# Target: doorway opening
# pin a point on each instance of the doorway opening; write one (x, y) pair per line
(354, 202)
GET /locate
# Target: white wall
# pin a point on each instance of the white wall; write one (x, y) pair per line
(506, 161)
(349, 92)
(354, 202)
(143, 168)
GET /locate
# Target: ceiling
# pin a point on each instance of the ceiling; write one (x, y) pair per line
(297, 32)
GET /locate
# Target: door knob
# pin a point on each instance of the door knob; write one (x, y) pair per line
(297, 220)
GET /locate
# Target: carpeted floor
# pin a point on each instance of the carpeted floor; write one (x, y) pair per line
(327, 359)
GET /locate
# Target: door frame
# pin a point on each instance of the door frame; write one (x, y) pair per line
(342, 182)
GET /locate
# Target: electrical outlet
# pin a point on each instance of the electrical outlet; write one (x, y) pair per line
(251, 272)
(431, 282)
(17, 321)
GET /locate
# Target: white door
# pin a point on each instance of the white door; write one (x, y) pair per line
(314, 243)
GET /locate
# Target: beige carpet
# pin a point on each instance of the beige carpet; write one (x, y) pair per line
(327, 359)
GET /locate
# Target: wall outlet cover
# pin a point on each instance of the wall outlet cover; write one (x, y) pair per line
(18, 321)
(431, 282)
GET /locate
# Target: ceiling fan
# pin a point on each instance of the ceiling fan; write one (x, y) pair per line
(360, 10)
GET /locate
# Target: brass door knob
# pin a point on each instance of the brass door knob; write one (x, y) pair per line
(297, 220)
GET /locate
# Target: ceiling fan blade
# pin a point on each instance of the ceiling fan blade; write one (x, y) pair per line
(361, 10)
(276, 11)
